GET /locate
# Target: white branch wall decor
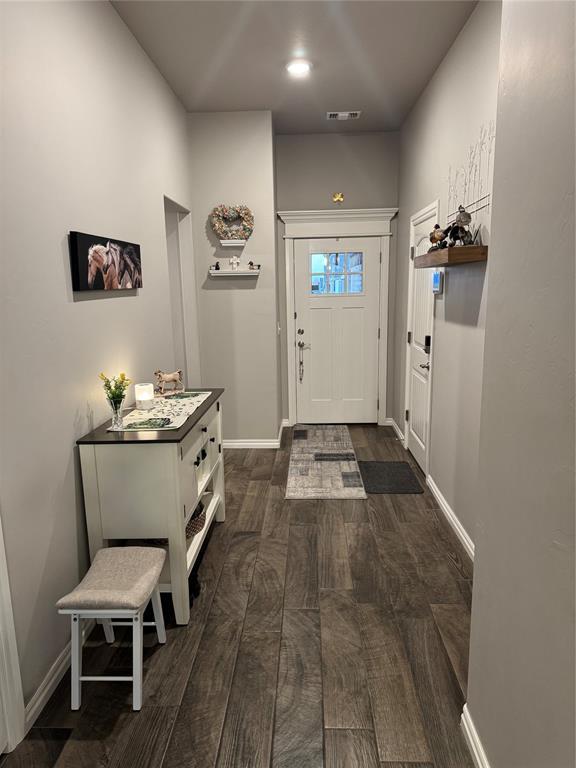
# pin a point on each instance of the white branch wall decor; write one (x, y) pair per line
(470, 183)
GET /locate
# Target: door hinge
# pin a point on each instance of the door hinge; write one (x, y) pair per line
(409, 337)
(407, 416)
(218, 406)
(378, 332)
(378, 404)
(380, 257)
(219, 447)
(295, 315)
(427, 344)
(412, 252)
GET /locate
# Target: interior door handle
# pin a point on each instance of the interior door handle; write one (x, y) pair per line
(426, 366)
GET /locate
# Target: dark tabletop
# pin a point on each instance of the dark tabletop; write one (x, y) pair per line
(101, 436)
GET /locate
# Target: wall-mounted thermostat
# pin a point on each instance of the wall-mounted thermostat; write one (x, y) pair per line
(438, 282)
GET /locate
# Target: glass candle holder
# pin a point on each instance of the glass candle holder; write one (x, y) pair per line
(144, 396)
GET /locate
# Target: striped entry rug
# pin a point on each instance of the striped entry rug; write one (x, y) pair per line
(323, 464)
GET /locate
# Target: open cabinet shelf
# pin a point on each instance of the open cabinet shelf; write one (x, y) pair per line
(452, 256)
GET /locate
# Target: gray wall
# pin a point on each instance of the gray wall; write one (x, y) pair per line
(437, 135)
(309, 168)
(231, 161)
(92, 140)
(521, 682)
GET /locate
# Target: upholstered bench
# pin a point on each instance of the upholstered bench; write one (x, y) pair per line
(119, 585)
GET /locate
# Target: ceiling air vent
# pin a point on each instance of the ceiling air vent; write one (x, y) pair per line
(343, 115)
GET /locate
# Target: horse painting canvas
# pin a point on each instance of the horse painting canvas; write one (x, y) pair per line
(104, 264)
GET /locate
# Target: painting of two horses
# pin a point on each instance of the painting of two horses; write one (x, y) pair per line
(104, 264)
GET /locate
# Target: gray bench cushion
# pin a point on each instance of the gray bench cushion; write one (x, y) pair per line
(119, 577)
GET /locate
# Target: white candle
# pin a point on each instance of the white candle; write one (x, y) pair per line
(144, 396)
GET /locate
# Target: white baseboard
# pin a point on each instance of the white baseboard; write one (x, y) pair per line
(263, 443)
(473, 739)
(389, 422)
(450, 515)
(272, 443)
(51, 681)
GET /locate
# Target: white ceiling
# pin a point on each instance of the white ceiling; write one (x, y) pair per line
(375, 55)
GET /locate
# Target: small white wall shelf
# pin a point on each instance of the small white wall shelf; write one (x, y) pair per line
(233, 272)
(233, 243)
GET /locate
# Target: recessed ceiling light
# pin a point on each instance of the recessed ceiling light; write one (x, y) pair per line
(299, 68)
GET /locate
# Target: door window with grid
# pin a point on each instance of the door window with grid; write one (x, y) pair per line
(337, 273)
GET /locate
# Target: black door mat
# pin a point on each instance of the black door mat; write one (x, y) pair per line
(389, 477)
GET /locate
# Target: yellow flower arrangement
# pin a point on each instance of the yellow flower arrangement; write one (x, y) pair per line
(115, 388)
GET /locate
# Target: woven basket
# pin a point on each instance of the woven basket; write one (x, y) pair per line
(195, 524)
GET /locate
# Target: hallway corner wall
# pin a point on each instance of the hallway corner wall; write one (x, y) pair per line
(455, 110)
(521, 690)
(231, 162)
(92, 140)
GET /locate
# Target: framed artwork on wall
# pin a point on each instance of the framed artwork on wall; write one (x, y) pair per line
(104, 263)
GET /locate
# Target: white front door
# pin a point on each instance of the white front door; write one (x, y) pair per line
(337, 298)
(419, 340)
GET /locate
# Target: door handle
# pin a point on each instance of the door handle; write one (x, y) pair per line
(426, 366)
(300, 361)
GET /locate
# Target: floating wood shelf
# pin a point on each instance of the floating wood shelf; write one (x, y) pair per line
(449, 257)
(233, 272)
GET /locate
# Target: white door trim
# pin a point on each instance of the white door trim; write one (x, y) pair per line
(418, 218)
(188, 291)
(10, 680)
(361, 222)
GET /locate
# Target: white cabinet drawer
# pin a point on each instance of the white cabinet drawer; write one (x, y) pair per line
(196, 459)
(198, 433)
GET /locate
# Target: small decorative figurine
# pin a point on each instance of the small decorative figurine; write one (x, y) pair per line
(174, 378)
(251, 265)
(338, 197)
(439, 238)
(217, 266)
(459, 232)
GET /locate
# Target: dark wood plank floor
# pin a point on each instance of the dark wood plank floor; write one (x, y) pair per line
(327, 634)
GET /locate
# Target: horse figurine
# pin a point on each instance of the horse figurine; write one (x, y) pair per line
(174, 378)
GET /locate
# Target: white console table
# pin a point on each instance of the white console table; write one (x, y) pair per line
(146, 485)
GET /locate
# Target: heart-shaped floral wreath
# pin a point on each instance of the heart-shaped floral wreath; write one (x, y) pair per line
(232, 222)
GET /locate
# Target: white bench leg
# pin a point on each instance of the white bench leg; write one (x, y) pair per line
(158, 616)
(76, 662)
(108, 630)
(137, 658)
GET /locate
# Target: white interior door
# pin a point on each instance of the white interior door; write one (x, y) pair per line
(419, 340)
(337, 298)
